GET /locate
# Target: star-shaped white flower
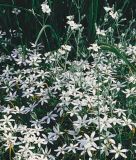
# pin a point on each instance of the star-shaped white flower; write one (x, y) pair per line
(118, 151)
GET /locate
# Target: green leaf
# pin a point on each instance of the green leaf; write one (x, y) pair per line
(92, 18)
(118, 53)
(41, 31)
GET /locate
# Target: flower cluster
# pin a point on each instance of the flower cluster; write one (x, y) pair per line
(53, 108)
(72, 24)
(111, 12)
(45, 8)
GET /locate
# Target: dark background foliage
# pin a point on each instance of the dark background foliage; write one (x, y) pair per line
(26, 23)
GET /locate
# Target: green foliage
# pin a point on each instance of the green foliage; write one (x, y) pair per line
(92, 18)
(119, 54)
(66, 45)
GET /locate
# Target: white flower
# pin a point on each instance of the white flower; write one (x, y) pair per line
(105, 149)
(132, 79)
(114, 15)
(7, 120)
(57, 130)
(2, 34)
(50, 116)
(16, 11)
(47, 139)
(91, 140)
(107, 9)
(11, 96)
(28, 93)
(108, 138)
(39, 141)
(81, 122)
(61, 51)
(72, 24)
(105, 123)
(45, 8)
(88, 144)
(100, 32)
(94, 47)
(26, 150)
(130, 92)
(72, 148)
(10, 140)
(73, 112)
(70, 18)
(46, 154)
(127, 122)
(117, 86)
(66, 47)
(60, 150)
(34, 59)
(118, 151)
(119, 112)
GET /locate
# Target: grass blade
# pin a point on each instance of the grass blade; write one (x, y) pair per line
(92, 18)
(118, 53)
(42, 30)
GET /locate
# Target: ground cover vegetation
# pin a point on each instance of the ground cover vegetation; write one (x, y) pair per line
(67, 80)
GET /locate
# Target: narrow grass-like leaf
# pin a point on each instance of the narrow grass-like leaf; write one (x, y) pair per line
(92, 18)
(118, 53)
(42, 30)
(4, 48)
(125, 4)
